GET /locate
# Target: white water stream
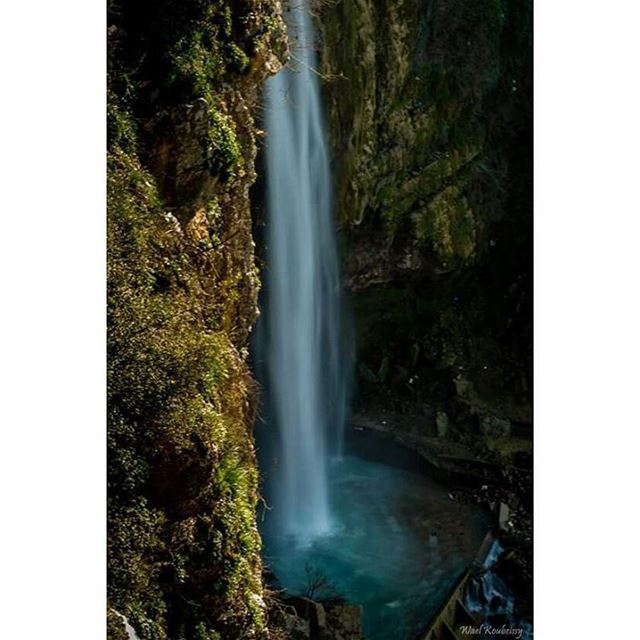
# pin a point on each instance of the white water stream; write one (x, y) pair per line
(306, 369)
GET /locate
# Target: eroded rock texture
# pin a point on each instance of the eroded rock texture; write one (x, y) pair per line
(429, 107)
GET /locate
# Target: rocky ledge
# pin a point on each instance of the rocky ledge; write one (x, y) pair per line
(300, 618)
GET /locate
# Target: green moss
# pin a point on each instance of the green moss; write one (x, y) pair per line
(203, 634)
(115, 627)
(406, 129)
(121, 126)
(184, 552)
(177, 396)
(238, 59)
(430, 111)
(222, 153)
(447, 226)
(400, 201)
(190, 46)
(195, 66)
(182, 474)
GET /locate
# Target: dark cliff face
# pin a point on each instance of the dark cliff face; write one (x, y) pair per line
(184, 551)
(429, 105)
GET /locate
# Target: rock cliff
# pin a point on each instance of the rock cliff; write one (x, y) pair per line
(183, 81)
(429, 107)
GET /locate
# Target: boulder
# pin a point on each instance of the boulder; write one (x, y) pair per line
(311, 611)
(295, 627)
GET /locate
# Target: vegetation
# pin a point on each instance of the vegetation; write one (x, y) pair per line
(183, 548)
(320, 588)
(182, 474)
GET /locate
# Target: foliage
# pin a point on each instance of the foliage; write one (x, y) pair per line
(115, 627)
(222, 153)
(183, 549)
(182, 475)
(189, 45)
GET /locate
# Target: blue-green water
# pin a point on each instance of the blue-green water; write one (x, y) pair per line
(396, 546)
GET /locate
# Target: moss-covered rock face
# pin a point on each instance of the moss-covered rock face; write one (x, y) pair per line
(429, 106)
(184, 551)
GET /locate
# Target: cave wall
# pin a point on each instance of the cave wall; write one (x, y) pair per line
(183, 546)
(429, 108)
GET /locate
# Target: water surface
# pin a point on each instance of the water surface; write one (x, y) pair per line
(397, 543)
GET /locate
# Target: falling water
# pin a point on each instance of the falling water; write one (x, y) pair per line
(488, 597)
(306, 368)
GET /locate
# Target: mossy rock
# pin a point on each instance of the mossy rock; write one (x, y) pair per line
(447, 227)
(184, 550)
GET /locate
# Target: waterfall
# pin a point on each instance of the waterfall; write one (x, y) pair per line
(305, 361)
(488, 596)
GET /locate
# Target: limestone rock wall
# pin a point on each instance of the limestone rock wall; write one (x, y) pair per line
(429, 106)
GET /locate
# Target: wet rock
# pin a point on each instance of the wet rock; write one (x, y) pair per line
(306, 619)
(442, 423)
(296, 628)
(503, 515)
(495, 427)
(311, 611)
(344, 622)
